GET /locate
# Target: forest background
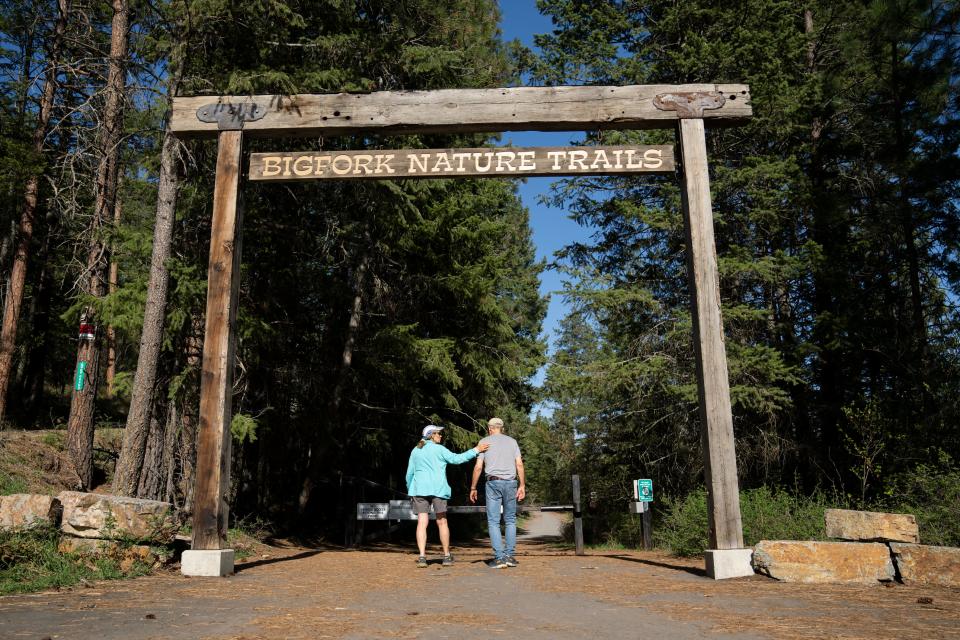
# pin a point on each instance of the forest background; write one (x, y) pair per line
(368, 310)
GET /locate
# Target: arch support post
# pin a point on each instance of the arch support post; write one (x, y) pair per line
(208, 555)
(726, 557)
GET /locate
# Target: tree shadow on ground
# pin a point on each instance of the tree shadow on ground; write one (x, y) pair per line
(664, 565)
(259, 563)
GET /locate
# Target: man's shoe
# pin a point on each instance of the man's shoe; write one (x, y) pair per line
(496, 563)
(422, 562)
(510, 561)
(448, 560)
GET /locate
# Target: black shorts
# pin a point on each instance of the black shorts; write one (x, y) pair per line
(421, 504)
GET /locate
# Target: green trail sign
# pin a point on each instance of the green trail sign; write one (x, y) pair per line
(643, 490)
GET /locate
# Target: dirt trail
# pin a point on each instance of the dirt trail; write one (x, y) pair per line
(378, 593)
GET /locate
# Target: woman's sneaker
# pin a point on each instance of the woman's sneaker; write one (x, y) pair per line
(496, 563)
(448, 560)
(510, 561)
(422, 562)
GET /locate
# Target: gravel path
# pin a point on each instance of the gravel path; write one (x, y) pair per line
(378, 593)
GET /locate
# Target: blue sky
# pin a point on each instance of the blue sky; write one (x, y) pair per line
(552, 228)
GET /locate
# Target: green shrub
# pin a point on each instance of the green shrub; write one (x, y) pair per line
(781, 515)
(683, 529)
(932, 494)
(766, 514)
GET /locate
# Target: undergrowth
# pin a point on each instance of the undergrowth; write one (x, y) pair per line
(931, 492)
(30, 561)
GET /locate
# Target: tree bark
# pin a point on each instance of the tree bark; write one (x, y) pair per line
(189, 422)
(153, 478)
(80, 424)
(151, 339)
(28, 216)
(112, 280)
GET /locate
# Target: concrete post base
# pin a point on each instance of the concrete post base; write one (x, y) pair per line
(213, 562)
(728, 563)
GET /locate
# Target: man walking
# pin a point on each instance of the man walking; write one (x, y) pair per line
(505, 486)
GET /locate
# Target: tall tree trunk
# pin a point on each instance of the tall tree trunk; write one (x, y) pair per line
(151, 339)
(80, 424)
(112, 280)
(28, 216)
(336, 398)
(189, 421)
(153, 478)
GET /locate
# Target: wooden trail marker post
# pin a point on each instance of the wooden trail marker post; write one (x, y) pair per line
(684, 107)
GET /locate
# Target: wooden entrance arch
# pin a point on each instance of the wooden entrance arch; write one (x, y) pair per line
(683, 107)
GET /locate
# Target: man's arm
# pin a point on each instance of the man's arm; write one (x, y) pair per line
(477, 470)
(521, 479)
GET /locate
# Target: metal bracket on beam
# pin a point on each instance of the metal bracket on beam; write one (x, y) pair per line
(691, 104)
(231, 117)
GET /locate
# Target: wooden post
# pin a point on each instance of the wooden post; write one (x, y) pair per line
(647, 520)
(211, 512)
(720, 461)
(577, 517)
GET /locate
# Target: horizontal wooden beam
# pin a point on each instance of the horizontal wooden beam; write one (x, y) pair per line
(461, 163)
(463, 110)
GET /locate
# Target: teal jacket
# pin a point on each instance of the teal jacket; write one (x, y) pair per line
(427, 469)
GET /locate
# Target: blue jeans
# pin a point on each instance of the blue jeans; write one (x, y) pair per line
(502, 492)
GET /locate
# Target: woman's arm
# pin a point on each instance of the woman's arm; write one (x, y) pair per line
(459, 458)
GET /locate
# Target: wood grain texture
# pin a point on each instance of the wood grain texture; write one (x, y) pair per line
(462, 110)
(720, 460)
(577, 517)
(216, 382)
(502, 162)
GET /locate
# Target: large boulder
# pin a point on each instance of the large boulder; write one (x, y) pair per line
(870, 526)
(824, 562)
(26, 509)
(92, 515)
(924, 564)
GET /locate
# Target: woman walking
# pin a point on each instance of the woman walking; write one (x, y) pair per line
(427, 484)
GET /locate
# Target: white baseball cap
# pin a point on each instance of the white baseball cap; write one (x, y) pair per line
(430, 429)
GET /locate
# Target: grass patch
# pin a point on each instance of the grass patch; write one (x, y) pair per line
(30, 561)
(10, 485)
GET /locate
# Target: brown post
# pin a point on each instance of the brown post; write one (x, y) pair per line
(720, 460)
(577, 517)
(647, 522)
(216, 382)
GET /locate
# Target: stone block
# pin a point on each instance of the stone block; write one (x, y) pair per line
(824, 562)
(208, 563)
(869, 526)
(92, 515)
(27, 509)
(728, 563)
(927, 565)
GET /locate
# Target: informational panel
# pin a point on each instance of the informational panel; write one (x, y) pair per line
(461, 163)
(393, 510)
(643, 490)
